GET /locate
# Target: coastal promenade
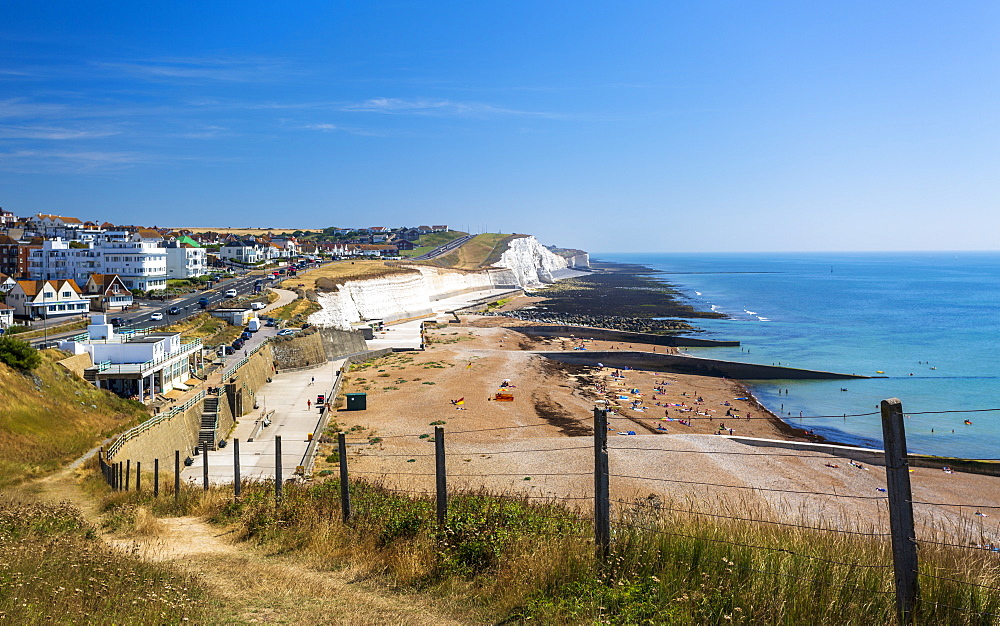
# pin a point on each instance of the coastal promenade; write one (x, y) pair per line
(290, 402)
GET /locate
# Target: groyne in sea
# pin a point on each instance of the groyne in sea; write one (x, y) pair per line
(588, 332)
(684, 364)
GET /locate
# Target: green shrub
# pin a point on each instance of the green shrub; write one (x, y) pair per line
(19, 354)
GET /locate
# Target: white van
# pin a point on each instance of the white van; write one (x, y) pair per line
(231, 293)
(253, 325)
(256, 306)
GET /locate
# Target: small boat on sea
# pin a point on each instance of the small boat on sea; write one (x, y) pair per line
(879, 372)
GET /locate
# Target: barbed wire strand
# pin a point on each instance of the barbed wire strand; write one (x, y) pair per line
(810, 493)
(747, 519)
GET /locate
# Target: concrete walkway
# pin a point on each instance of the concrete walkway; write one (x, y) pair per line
(406, 335)
(289, 395)
(284, 297)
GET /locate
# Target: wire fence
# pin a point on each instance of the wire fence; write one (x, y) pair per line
(890, 558)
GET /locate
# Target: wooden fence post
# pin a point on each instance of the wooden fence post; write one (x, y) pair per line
(345, 490)
(138, 475)
(602, 495)
(177, 474)
(904, 545)
(277, 469)
(440, 475)
(156, 478)
(237, 484)
(204, 467)
(128, 472)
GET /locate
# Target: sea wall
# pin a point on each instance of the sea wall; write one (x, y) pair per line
(531, 262)
(682, 364)
(399, 296)
(587, 332)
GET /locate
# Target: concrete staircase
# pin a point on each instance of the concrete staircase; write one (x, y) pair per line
(209, 422)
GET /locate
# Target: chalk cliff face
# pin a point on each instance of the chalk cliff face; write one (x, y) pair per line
(531, 262)
(525, 263)
(397, 297)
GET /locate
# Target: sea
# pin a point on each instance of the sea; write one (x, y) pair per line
(926, 324)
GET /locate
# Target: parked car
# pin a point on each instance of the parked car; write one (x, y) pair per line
(270, 322)
(256, 306)
(238, 344)
(230, 293)
(117, 321)
(287, 331)
(224, 350)
(246, 334)
(174, 310)
(156, 316)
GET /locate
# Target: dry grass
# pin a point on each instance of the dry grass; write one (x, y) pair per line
(210, 329)
(329, 276)
(146, 523)
(298, 310)
(50, 417)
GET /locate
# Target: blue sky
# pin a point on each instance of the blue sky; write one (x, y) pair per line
(642, 126)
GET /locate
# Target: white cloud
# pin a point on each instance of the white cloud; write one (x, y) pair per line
(53, 133)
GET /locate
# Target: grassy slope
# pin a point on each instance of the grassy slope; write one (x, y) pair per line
(47, 418)
(426, 243)
(479, 252)
(332, 274)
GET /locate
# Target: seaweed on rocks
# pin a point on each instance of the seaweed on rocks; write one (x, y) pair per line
(620, 296)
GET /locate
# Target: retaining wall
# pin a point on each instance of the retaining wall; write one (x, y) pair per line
(179, 432)
(339, 343)
(253, 374)
(298, 351)
(77, 363)
(681, 364)
(607, 334)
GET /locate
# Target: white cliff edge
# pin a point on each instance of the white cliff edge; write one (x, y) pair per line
(532, 263)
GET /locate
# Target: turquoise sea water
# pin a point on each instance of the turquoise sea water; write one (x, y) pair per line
(933, 315)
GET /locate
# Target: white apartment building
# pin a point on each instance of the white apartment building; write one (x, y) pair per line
(141, 264)
(246, 253)
(185, 260)
(138, 365)
(58, 260)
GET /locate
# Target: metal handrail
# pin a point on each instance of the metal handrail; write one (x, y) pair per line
(135, 431)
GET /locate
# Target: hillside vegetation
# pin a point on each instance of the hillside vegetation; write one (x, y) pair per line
(430, 241)
(50, 416)
(481, 251)
(509, 559)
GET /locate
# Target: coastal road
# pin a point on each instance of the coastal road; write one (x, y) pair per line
(448, 247)
(140, 318)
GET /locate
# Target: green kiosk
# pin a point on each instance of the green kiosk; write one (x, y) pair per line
(357, 401)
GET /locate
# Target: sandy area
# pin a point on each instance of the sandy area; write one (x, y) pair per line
(541, 443)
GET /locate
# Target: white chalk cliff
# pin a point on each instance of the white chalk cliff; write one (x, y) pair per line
(531, 262)
(525, 263)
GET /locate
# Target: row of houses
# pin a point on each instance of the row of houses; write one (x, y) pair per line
(47, 299)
